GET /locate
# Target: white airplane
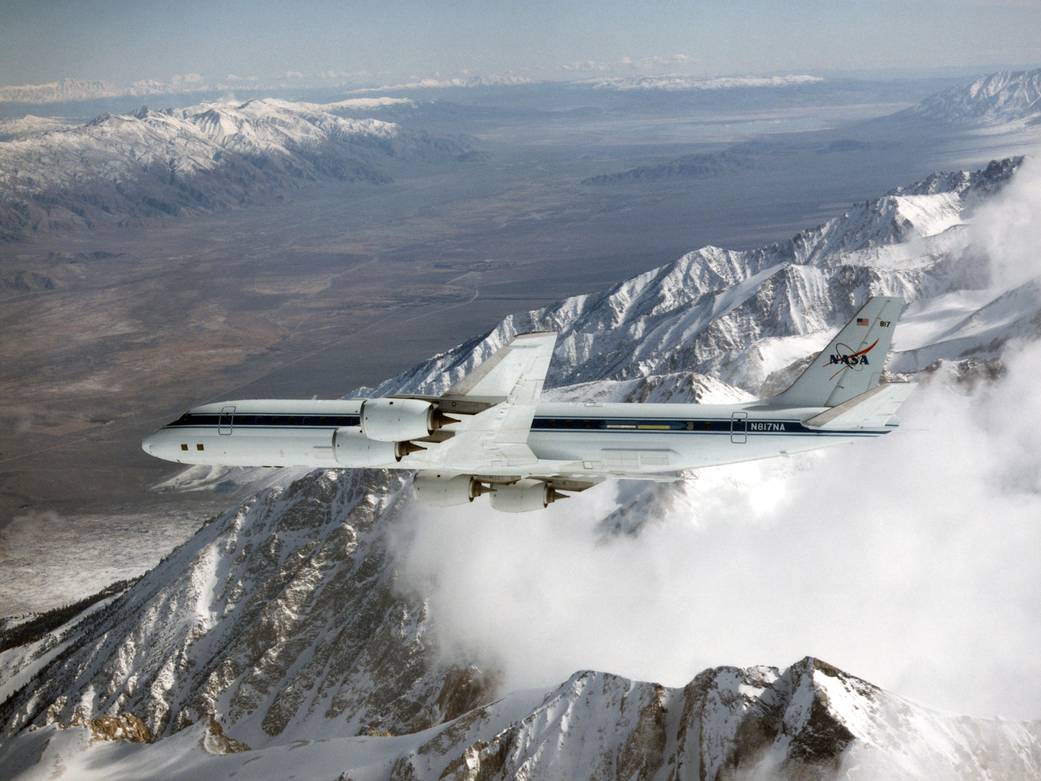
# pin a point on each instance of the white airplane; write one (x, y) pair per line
(489, 433)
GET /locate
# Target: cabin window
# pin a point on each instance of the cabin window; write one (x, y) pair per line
(184, 446)
(200, 446)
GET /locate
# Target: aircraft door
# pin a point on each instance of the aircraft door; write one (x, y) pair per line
(224, 423)
(739, 428)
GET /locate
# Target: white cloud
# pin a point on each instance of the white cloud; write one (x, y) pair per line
(671, 59)
(1007, 229)
(188, 80)
(334, 74)
(911, 561)
(585, 65)
(658, 60)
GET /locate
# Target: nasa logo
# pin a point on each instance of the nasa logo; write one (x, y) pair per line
(846, 357)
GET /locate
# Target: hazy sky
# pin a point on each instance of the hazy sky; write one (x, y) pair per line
(125, 40)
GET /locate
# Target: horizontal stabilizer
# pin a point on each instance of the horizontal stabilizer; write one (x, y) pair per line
(872, 409)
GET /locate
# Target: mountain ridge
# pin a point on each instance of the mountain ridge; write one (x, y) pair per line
(202, 158)
(998, 98)
(810, 720)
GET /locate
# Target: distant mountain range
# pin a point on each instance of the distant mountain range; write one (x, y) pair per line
(283, 626)
(1007, 98)
(688, 83)
(696, 166)
(84, 90)
(201, 158)
(71, 90)
(56, 174)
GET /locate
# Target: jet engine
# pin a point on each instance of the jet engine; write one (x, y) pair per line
(524, 496)
(352, 448)
(441, 491)
(397, 420)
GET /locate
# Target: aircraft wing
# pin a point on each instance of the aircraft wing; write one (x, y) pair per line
(515, 373)
(508, 386)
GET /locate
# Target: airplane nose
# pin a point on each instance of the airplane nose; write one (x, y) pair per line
(148, 443)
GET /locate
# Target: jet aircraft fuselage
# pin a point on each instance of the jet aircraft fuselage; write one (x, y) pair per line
(596, 439)
(491, 433)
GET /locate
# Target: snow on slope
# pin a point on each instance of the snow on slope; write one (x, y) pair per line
(31, 125)
(203, 157)
(808, 721)
(279, 616)
(711, 310)
(286, 619)
(1008, 96)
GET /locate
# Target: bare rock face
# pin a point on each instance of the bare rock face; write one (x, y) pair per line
(279, 617)
(126, 727)
(215, 741)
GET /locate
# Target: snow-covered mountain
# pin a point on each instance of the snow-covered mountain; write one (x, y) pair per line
(285, 624)
(203, 157)
(31, 125)
(810, 720)
(743, 317)
(1008, 96)
(1011, 100)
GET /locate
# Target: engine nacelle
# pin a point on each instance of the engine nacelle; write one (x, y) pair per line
(433, 489)
(352, 448)
(523, 496)
(397, 420)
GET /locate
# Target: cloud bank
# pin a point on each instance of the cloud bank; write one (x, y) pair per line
(911, 561)
(1007, 228)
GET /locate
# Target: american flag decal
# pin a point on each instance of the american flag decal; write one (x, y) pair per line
(862, 321)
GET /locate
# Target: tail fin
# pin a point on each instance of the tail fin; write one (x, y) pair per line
(852, 363)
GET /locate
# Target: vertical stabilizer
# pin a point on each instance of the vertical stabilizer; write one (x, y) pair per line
(852, 362)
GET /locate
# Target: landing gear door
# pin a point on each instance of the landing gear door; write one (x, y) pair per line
(227, 417)
(739, 428)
